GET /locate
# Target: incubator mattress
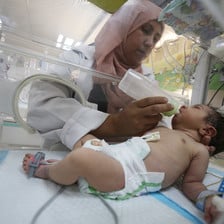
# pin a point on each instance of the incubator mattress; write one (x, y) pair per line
(26, 201)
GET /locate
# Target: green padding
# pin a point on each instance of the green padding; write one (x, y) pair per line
(10, 124)
(108, 5)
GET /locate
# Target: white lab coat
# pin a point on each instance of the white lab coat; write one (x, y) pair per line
(54, 112)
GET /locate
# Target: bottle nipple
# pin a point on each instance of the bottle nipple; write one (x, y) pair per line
(174, 111)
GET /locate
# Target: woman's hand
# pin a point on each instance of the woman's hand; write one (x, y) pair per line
(135, 119)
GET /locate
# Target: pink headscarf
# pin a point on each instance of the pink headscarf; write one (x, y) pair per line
(132, 15)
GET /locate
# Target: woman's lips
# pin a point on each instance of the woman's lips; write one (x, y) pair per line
(141, 53)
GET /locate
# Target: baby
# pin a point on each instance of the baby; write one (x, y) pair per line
(141, 164)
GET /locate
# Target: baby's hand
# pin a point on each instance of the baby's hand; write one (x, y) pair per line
(82, 141)
(214, 207)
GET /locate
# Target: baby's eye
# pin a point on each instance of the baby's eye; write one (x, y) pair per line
(197, 107)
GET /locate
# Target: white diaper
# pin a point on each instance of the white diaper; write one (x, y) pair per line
(137, 180)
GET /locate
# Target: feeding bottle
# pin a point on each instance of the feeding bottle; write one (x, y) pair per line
(138, 86)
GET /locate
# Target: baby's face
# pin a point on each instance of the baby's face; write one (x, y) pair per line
(192, 117)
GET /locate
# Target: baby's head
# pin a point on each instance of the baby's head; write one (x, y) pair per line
(217, 121)
(203, 119)
(194, 117)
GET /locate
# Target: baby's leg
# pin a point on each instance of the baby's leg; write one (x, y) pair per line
(101, 171)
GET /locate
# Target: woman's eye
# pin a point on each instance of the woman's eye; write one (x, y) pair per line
(147, 30)
(156, 39)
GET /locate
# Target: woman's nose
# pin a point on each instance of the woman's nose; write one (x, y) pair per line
(149, 42)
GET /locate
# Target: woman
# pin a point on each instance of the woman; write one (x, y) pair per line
(124, 42)
(129, 42)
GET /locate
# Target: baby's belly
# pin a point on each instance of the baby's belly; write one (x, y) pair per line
(173, 170)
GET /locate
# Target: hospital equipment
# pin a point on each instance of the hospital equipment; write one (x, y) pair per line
(27, 51)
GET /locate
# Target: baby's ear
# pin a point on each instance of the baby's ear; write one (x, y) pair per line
(208, 130)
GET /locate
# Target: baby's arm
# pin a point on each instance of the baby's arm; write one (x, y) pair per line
(193, 187)
(192, 182)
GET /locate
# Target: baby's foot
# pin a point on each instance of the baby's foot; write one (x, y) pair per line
(42, 170)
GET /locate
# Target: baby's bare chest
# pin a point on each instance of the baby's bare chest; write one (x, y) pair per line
(174, 139)
(172, 146)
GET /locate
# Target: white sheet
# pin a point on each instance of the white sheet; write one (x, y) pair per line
(21, 198)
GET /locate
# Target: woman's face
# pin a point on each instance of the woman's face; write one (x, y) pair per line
(140, 43)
